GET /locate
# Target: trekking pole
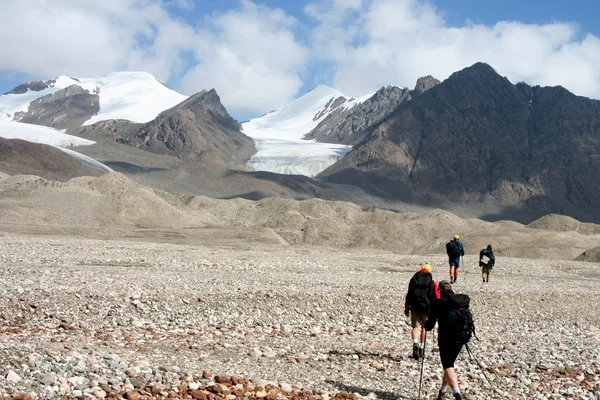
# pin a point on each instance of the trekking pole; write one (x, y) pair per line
(472, 357)
(422, 366)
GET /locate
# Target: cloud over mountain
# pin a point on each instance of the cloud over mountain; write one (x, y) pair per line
(259, 57)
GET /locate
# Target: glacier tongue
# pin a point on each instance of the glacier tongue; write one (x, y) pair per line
(278, 135)
(295, 157)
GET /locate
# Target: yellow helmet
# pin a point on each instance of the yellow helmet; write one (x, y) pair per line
(456, 237)
(426, 267)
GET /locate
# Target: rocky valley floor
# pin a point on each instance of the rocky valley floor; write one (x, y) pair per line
(95, 318)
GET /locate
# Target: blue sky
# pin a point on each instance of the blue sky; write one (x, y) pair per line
(259, 55)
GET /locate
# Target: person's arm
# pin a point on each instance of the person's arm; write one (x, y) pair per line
(462, 249)
(408, 298)
(492, 258)
(436, 291)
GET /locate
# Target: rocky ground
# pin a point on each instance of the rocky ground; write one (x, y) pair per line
(86, 318)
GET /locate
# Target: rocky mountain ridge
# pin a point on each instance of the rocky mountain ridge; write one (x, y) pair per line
(477, 136)
(351, 125)
(197, 129)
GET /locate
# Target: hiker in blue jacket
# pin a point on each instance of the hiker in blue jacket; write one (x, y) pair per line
(455, 250)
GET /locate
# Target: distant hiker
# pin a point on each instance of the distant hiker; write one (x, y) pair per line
(455, 328)
(455, 250)
(422, 292)
(486, 262)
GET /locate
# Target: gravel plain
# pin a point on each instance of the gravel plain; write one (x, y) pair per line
(102, 318)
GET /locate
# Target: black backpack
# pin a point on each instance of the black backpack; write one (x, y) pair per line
(422, 292)
(452, 250)
(460, 318)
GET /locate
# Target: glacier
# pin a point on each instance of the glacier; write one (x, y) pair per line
(278, 135)
(52, 137)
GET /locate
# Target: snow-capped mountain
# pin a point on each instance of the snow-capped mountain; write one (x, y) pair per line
(133, 96)
(279, 134)
(52, 137)
(18, 99)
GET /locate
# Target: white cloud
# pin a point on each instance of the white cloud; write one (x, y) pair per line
(45, 38)
(250, 56)
(253, 55)
(397, 41)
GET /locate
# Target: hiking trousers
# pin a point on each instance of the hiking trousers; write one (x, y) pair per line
(448, 353)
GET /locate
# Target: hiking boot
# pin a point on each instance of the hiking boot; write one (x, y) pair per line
(416, 351)
(422, 352)
(460, 396)
(441, 395)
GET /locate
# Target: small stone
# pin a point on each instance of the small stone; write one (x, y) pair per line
(182, 388)
(12, 377)
(545, 366)
(49, 379)
(137, 323)
(223, 380)
(132, 395)
(199, 395)
(261, 394)
(138, 382)
(286, 387)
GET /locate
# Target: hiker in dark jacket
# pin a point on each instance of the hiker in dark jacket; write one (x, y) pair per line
(455, 250)
(449, 340)
(422, 291)
(486, 262)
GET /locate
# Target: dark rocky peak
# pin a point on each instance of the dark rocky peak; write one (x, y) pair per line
(526, 91)
(475, 88)
(425, 83)
(476, 74)
(197, 129)
(350, 126)
(201, 103)
(387, 92)
(64, 109)
(35, 86)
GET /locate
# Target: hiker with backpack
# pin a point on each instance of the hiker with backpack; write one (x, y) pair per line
(486, 262)
(422, 292)
(455, 328)
(455, 250)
